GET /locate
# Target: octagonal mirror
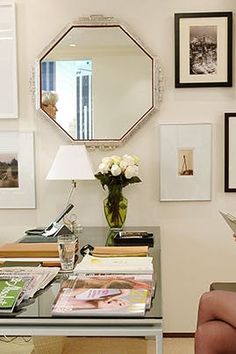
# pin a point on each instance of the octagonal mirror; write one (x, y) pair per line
(97, 82)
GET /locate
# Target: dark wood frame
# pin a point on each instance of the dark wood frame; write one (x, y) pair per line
(228, 116)
(178, 17)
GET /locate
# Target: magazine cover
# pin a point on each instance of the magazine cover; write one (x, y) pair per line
(10, 290)
(115, 281)
(100, 302)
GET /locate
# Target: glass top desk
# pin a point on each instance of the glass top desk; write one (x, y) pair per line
(36, 319)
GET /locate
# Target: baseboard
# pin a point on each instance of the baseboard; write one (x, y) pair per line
(178, 334)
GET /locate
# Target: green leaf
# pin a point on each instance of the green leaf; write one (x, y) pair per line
(135, 179)
(111, 181)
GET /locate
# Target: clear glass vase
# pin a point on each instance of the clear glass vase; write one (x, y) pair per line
(115, 207)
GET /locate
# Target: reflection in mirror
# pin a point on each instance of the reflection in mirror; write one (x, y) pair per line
(102, 79)
(49, 102)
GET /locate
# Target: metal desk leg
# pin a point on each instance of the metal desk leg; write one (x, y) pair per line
(159, 338)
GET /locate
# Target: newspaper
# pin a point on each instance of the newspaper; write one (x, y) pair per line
(37, 277)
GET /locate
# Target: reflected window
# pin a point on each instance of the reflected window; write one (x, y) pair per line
(84, 99)
(72, 80)
(48, 75)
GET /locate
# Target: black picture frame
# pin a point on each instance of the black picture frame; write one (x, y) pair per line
(229, 152)
(203, 58)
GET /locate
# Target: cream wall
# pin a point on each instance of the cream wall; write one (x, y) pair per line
(197, 245)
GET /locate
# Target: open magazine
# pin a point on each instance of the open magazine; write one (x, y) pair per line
(230, 220)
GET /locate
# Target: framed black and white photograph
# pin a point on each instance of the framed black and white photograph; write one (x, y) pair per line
(17, 178)
(203, 49)
(230, 148)
(185, 162)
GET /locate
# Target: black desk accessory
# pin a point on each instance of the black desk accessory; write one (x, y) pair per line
(132, 238)
(54, 229)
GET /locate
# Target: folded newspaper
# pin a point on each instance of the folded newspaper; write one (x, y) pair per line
(230, 220)
(36, 278)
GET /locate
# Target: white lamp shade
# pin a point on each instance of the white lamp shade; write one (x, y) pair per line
(71, 163)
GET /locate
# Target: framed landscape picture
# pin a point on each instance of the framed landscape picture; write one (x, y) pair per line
(17, 180)
(185, 162)
(203, 49)
(230, 148)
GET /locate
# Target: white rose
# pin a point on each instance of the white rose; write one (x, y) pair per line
(135, 170)
(136, 160)
(116, 159)
(107, 161)
(123, 165)
(129, 160)
(115, 170)
(103, 168)
(130, 172)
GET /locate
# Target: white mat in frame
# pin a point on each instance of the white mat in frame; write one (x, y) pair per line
(185, 162)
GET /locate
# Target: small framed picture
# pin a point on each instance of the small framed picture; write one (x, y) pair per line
(230, 148)
(203, 49)
(185, 162)
(17, 180)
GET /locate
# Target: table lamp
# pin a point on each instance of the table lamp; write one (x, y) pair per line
(71, 163)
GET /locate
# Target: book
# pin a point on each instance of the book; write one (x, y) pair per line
(44, 261)
(29, 250)
(125, 251)
(30, 262)
(82, 302)
(230, 220)
(122, 265)
(15, 263)
(10, 290)
(115, 281)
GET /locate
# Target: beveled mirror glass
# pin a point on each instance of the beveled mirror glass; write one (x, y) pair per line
(105, 81)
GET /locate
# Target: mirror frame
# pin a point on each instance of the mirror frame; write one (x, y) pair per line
(157, 90)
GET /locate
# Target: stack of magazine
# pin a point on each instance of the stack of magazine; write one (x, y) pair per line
(19, 284)
(122, 265)
(115, 286)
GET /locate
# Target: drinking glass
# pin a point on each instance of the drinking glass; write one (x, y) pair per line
(66, 248)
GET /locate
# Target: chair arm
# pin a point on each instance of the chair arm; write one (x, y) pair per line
(227, 286)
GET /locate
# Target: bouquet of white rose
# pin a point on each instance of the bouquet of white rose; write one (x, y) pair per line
(117, 172)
